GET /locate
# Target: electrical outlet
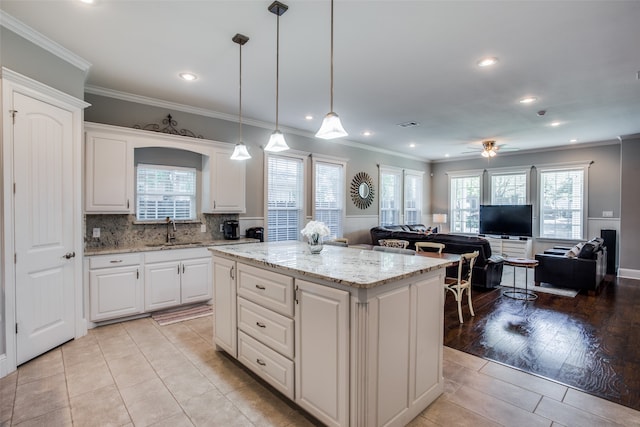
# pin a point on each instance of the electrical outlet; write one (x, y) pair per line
(203, 228)
(607, 214)
(96, 233)
(222, 228)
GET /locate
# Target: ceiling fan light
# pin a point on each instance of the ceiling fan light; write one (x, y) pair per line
(492, 153)
(276, 142)
(485, 153)
(240, 152)
(331, 127)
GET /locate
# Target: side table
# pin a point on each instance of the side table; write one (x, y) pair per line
(520, 294)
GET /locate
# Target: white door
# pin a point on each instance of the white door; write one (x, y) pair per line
(44, 234)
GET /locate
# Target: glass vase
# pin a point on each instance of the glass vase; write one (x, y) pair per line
(315, 244)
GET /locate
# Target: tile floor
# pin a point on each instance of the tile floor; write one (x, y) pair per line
(137, 373)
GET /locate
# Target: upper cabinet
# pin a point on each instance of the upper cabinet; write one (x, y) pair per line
(110, 169)
(108, 173)
(226, 179)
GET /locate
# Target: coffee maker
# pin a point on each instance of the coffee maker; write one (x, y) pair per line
(231, 229)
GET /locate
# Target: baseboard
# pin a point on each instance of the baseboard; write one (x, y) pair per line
(628, 273)
(3, 366)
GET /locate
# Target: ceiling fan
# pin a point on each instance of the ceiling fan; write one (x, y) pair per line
(490, 149)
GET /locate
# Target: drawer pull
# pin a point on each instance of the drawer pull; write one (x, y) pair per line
(115, 261)
(261, 287)
(260, 362)
(261, 325)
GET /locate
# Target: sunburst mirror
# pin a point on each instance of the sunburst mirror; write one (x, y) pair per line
(362, 190)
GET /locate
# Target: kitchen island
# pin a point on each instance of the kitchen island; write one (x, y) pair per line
(352, 336)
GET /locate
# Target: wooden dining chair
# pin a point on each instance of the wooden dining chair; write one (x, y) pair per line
(394, 243)
(420, 247)
(457, 285)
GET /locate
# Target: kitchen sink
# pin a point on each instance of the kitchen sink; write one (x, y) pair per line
(172, 244)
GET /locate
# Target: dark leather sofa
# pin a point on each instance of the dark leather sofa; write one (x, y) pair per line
(584, 270)
(487, 271)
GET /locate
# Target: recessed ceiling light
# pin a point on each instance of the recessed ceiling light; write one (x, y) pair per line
(573, 140)
(412, 145)
(88, 1)
(308, 117)
(487, 62)
(188, 76)
(528, 100)
(367, 133)
(446, 155)
(555, 124)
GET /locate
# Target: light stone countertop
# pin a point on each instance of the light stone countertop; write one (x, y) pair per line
(355, 267)
(147, 247)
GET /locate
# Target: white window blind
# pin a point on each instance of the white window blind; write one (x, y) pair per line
(413, 197)
(509, 188)
(390, 196)
(562, 203)
(165, 191)
(329, 196)
(285, 199)
(465, 202)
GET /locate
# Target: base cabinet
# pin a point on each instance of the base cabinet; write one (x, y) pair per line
(224, 298)
(115, 287)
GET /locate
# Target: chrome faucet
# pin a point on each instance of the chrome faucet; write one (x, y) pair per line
(171, 237)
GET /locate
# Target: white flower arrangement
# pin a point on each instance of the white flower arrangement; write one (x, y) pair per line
(315, 230)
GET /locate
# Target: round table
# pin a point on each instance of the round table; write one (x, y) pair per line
(520, 294)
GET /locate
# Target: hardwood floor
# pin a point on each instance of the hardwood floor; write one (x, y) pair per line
(590, 342)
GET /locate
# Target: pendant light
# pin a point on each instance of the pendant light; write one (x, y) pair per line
(240, 151)
(331, 126)
(276, 140)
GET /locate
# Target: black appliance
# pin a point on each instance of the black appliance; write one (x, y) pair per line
(610, 238)
(255, 233)
(506, 220)
(231, 229)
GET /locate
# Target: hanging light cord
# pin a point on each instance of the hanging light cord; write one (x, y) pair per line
(277, 65)
(331, 101)
(240, 103)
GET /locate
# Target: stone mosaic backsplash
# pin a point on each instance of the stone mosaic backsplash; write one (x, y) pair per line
(122, 231)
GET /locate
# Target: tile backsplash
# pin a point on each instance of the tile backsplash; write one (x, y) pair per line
(123, 231)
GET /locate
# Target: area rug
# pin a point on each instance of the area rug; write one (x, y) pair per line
(167, 317)
(507, 282)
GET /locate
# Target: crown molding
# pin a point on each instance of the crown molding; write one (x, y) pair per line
(9, 22)
(154, 102)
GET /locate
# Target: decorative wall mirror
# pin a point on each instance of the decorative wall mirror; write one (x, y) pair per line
(362, 190)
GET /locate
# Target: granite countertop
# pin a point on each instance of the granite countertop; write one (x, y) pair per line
(355, 267)
(147, 247)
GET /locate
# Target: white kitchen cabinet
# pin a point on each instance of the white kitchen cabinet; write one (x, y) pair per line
(224, 297)
(115, 286)
(226, 183)
(322, 352)
(176, 277)
(108, 173)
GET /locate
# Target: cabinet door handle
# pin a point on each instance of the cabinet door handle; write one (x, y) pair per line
(261, 287)
(137, 274)
(127, 203)
(261, 325)
(182, 268)
(232, 273)
(178, 268)
(115, 261)
(260, 362)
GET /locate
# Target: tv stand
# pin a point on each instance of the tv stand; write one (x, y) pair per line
(513, 248)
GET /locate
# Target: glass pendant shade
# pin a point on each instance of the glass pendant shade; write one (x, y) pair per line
(331, 127)
(240, 152)
(485, 153)
(276, 142)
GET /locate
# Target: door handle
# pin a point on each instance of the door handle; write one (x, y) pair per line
(69, 255)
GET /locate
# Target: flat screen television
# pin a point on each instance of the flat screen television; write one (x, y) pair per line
(506, 220)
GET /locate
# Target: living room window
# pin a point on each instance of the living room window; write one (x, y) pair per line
(390, 195)
(413, 197)
(165, 191)
(563, 201)
(285, 197)
(329, 194)
(509, 186)
(464, 199)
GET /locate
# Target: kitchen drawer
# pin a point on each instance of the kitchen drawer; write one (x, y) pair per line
(266, 288)
(272, 367)
(115, 260)
(268, 327)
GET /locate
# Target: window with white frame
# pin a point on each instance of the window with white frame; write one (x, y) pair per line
(329, 195)
(563, 194)
(165, 191)
(390, 195)
(509, 187)
(464, 201)
(285, 197)
(413, 197)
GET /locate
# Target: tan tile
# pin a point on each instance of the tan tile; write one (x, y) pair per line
(178, 420)
(603, 408)
(58, 418)
(570, 416)
(213, 409)
(495, 409)
(444, 413)
(73, 355)
(8, 386)
(39, 397)
(150, 388)
(102, 407)
(420, 421)
(198, 350)
(467, 360)
(130, 370)
(170, 364)
(178, 332)
(530, 382)
(88, 376)
(225, 375)
(42, 366)
(147, 409)
(513, 394)
(119, 346)
(261, 406)
(187, 384)
(109, 331)
(298, 419)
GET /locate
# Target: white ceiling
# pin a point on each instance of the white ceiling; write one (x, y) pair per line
(395, 61)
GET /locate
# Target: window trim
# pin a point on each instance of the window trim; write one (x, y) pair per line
(420, 175)
(557, 167)
(463, 174)
(526, 170)
(391, 170)
(315, 159)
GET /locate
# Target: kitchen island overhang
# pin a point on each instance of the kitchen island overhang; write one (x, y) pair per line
(365, 346)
